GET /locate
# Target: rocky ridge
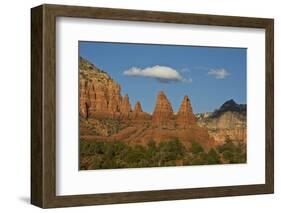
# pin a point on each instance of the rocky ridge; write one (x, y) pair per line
(226, 123)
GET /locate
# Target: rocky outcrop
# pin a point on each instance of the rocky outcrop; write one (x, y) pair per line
(138, 108)
(125, 105)
(99, 94)
(162, 126)
(185, 116)
(230, 106)
(163, 113)
(139, 117)
(226, 123)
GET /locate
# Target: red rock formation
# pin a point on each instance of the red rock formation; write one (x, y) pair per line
(138, 107)
(84, 99)
(106, 116)
(98, 100)
(185, 136)
(140, 117)
(163, 112)
(114, 98)
(185, 116)
(125, 105)
(99, 94)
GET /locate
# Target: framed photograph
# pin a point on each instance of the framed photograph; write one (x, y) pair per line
(136, 106)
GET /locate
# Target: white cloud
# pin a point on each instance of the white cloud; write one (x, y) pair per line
(161, 73)
(218, 73)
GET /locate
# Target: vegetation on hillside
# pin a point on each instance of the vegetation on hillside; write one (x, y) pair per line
(104, 155)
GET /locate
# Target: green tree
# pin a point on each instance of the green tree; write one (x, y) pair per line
(213, 157)
(233, 152)
(169, 152)
(196, 148)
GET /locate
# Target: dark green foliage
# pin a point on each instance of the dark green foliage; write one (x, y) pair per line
(196, 148)
(169, 152)
(106, 155)
(212, 157)
(233, 152)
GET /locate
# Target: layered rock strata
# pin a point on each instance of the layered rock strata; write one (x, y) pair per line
(229, 122)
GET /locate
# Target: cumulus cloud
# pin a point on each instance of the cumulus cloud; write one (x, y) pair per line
(161, 73)
(218, 73)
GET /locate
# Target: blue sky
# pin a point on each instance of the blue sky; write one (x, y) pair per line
(208, 75)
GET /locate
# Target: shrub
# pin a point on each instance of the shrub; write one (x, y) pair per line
(196, 148)
(233, 152)
(169, 152)
(213, 157)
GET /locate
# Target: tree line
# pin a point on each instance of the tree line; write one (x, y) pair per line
(105, 155)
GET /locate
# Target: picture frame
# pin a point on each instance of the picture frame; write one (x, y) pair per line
(43, 105)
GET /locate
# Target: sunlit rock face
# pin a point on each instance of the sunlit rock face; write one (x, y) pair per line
(229, 122)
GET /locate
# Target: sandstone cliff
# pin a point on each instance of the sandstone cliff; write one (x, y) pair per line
(125, 105)
(228, 122)
(99, 94)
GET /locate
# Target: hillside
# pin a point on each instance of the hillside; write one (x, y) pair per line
(227, 122)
